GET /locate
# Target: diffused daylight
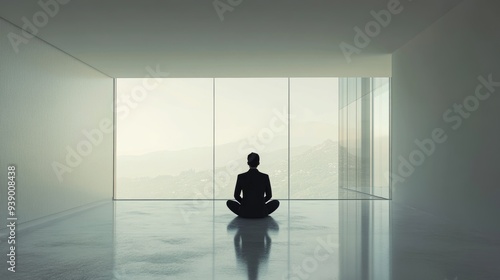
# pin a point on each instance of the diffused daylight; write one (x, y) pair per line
(177, 136)
(262, 139)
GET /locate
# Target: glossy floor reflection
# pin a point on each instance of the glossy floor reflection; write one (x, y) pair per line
(302, 240)
(252, 243)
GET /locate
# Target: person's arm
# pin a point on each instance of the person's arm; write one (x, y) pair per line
(269, 193)
(237, 190)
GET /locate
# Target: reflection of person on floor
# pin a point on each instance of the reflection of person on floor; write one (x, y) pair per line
(254, 186)
(252, 243)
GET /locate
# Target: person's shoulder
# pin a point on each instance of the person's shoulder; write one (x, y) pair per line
(263, 174)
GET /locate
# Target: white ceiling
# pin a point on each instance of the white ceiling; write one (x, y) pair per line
(186, 38)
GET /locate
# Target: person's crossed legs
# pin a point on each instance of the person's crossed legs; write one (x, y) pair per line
(234, 206)
(272, 206)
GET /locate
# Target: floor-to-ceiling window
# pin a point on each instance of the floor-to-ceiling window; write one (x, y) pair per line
(314, 118)
(365, 136)
(164, 138)
(189, 138)
(251, 115)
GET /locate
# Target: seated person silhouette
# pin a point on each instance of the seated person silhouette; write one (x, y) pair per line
(256, 189)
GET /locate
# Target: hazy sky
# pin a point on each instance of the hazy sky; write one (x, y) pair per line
(178, 114)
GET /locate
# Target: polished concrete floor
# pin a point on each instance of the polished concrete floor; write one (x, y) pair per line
(322, 239)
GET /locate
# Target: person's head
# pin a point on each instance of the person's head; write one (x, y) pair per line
(253, 160)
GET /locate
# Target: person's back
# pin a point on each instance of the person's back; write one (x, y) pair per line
(256, 188)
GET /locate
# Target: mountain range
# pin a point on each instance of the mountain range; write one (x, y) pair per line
(187, 173)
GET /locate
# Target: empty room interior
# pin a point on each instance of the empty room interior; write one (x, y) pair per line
(129, 128)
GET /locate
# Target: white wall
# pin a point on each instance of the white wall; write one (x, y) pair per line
(46, 99)
(460, 180)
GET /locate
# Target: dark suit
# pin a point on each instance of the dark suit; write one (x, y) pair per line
(256, 189)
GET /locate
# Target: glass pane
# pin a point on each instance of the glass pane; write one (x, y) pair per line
(351, 90)
(381, 148)
(359, 138)
(343, 92)
(343, 148)
(314, 138)
(364, 137)
(251, 116)
(164, 138)
(352, 145)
